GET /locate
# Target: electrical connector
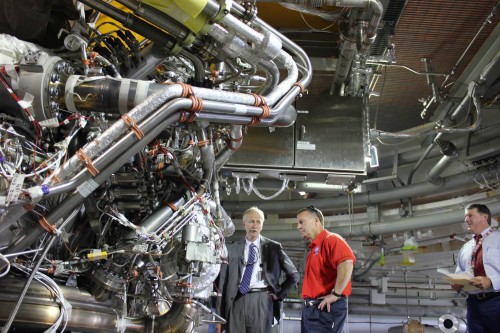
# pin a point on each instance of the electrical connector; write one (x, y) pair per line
(97, 255)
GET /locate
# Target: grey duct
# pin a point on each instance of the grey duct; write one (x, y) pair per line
(377, 228)
(287, 206)
(411, 310)
(348, 51)
(486, 77)
(450, 154)
(412, 154)
(374, 323)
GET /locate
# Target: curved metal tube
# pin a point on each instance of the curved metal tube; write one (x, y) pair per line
(76, 197)
(40, 311)
(199, 68)
(349, 47)
(180, 318)
(450, 153)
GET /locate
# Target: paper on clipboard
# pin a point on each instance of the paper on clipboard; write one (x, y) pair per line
(463, 279)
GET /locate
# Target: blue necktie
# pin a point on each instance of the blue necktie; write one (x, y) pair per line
(247, 275)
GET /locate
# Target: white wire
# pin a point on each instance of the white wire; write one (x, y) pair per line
(8, 265)
(283, 187)
(65, 306)
(4, 172)
(247, 189)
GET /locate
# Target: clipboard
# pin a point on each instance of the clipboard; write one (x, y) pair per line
(462, 279)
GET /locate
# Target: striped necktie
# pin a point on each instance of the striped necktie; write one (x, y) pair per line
(247, 275)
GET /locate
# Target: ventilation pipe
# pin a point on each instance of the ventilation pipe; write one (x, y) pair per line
(378, 228)
(411, 154)
(449, 323)
(450, 153)
(350, 47)
(452, 182)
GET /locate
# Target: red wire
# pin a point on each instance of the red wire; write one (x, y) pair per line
(36, 125)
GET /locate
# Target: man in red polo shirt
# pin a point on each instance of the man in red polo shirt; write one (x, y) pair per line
(327, 276)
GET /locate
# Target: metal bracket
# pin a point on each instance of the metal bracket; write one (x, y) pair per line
(292, 177)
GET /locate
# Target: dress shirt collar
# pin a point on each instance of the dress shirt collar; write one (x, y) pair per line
(255, 242)
(319, 239)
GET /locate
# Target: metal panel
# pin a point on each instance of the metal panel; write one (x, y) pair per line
(329, 133)
(265, 147)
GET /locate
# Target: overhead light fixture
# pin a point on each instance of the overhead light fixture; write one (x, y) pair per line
(373, 157)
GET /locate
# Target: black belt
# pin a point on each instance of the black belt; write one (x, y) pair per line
(485, 296)
(311, 301)
(257, 290)
(315, 301)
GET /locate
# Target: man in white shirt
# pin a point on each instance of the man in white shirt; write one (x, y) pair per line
(481, 257)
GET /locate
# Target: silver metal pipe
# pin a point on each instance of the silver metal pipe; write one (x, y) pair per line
(360, 200)
(34, 270)
(450, 154)
(40, 311)
(413, 153)
(288, 82)
(377, 228)
(108, 137)
(27, 284)
(207, 154)
(111, 166)
(267, 45)
(271, 80)
(304, 62)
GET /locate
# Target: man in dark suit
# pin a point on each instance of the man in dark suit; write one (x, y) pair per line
(249, 282)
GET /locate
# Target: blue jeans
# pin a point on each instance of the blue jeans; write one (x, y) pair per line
(315, 320)
(483, 316)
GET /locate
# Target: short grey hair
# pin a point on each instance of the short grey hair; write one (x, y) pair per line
(256, 210)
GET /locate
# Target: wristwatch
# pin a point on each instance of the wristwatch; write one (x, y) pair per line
(335, 294)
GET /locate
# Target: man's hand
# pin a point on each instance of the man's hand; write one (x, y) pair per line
(327, 301)
(273, 296)
(219, 328)
(456, 287)
(481, 282)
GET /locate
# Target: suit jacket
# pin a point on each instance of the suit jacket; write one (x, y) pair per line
(273, 259)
